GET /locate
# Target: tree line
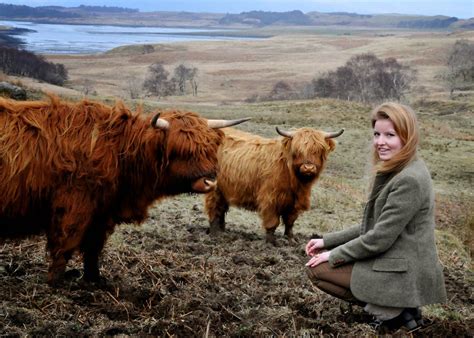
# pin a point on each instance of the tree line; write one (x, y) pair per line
(20, 62)
(22, 11)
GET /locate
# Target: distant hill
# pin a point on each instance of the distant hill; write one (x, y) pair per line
(58, 12)
(106, 9)
(382, 20)
(129, 16)
(430, 23)
(14, 11)
(261, 18)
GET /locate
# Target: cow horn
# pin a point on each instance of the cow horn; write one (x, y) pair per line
(217, 124)
(156, 122)
(285, 133)
(335, 134)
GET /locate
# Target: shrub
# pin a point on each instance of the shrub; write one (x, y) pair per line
(460, 63)
(365, 78)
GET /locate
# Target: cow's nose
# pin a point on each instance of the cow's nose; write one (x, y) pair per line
(308, 168)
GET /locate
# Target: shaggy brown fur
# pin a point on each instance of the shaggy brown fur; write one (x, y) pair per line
(76, 170)
(271, 176)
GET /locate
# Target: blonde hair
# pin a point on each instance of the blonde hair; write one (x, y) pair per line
(406, 126)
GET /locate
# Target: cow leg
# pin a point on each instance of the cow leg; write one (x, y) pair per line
(91, 247)
(71, 216)
(216, 207)
(270, 223)
(61, 249)
(289, 220)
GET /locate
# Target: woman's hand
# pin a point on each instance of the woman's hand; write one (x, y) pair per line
(314, 246)
(318, 259)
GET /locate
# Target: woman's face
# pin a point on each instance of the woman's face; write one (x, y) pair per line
(386, 141)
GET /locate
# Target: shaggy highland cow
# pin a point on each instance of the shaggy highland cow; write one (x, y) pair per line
(271, 176)
(76, 170)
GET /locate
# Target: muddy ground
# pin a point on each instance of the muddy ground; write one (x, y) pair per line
(169, 278)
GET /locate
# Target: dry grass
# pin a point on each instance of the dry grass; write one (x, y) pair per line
(232, 71)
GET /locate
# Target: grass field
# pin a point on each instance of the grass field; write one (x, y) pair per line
(169, 277)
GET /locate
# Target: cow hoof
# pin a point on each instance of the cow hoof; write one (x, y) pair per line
(215, 233)
(54, 283)
(216, 229)
(97, 282)
(72, 274)
(56, 280)
(271, 239)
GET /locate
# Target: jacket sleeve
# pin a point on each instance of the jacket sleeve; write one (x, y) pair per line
(403, 202)
(336, 238)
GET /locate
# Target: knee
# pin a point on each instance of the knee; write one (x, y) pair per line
(313, 274)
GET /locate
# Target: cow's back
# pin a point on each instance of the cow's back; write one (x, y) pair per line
(247, 163)
(44, 145)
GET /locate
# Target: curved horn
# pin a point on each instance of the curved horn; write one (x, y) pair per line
(285, 133)
(156, 122)
(217, 124)
(335, 134)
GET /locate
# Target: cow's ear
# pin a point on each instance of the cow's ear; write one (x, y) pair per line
(331, 143)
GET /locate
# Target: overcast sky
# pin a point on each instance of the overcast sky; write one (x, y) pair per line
(462, 9)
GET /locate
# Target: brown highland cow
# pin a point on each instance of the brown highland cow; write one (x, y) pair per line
(270, 176)
(76, 170)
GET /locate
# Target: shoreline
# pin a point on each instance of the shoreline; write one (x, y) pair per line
(8, 36)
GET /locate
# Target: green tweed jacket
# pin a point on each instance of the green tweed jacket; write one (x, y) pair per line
(394, 250)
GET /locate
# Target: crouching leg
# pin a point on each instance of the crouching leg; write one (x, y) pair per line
(334, 281)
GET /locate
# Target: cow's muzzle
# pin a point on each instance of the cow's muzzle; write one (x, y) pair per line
(204, 185)
(308, 169)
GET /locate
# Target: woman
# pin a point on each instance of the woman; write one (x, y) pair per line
(389, 263)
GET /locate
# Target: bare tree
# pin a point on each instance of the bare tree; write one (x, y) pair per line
(182, 75)
(133, 87)
(157, 82)
(460, 62)
(87, 87)
(366, 78)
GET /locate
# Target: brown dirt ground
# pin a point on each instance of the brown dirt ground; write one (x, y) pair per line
(169, 278)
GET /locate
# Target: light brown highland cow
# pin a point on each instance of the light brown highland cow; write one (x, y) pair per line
(273, 177)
